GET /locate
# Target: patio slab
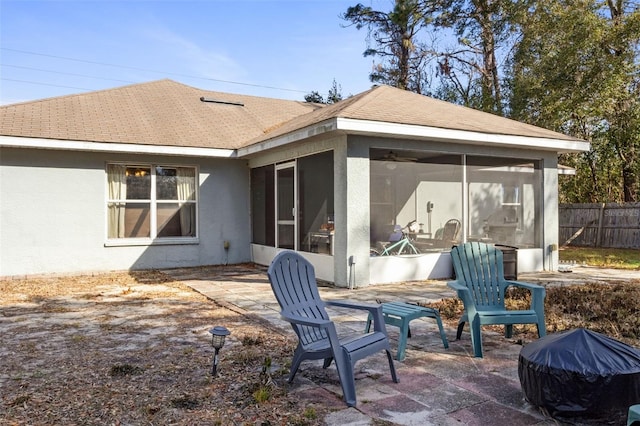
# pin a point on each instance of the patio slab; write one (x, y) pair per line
(437, 386)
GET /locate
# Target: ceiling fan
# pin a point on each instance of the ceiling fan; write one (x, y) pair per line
(392, 156)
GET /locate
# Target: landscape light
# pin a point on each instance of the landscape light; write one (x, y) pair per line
(218, 334)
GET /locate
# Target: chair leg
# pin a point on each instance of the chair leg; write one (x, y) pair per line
(368, 325)
(459, 332)
(295, 363)
(347, 379)
(476, 338)
(542, 328)
(327, 362)
(508, 331)
(392, 367)
(402, 340)
(443, 336)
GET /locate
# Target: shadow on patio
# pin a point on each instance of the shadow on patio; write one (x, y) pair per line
(437, 385)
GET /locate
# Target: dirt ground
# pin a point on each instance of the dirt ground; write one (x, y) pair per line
(135, 348)
(124, 349)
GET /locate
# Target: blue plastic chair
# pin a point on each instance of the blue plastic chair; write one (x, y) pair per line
(481, 285)
(633, 418)
(294, 284)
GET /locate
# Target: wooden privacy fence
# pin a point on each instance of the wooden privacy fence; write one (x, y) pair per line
(615, 225)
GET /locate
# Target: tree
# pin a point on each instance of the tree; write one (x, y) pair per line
(470, 68)
(334, 95)
(568, 65)
(576, 70)
(393, 38)
(314, 97)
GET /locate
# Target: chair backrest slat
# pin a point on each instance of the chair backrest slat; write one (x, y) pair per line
(294, 284)
(480, 267)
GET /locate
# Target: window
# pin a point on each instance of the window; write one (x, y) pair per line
(151, 201)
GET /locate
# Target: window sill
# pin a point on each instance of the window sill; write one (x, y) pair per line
(127, 242)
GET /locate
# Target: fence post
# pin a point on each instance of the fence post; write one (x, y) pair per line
(599, 231)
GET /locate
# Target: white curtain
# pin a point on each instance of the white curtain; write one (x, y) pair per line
(186, 181)
(117, 180)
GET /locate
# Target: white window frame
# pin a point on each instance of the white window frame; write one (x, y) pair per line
(153, 239)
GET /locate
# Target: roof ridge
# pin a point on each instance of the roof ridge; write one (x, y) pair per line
(365, 98)
(150, 83)
(324, 111)
(91, 92)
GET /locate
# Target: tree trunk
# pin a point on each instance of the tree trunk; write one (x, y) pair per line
(491, 98)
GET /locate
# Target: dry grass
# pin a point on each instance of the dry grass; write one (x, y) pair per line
(611, 309)
(135, 349)
(619, 258)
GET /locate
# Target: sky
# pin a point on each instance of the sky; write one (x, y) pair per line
(273, 48)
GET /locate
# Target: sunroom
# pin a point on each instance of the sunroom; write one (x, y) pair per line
(370, 201)
(397, 215)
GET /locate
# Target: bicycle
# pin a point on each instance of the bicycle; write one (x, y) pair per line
(403, 244)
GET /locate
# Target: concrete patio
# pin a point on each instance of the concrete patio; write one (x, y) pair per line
(437, 386)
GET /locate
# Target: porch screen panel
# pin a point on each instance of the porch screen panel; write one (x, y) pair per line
(504, 200)
(315, 200)
(263, 206)
(421, 188)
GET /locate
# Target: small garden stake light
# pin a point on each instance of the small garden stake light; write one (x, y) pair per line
(218, 334)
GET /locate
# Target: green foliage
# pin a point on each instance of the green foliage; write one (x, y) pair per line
(576, 71)
(314, 97)
(393, 38)
(310, 413)
(568, 65)
(405, 40)
(334, 95)
(262, 394)
(471, 68)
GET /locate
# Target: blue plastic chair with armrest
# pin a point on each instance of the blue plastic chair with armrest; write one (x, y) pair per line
(481, 285)
(294, 284)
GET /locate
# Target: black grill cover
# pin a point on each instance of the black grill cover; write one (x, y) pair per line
(581, 374)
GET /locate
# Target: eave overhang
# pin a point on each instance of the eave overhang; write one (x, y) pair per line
(395, 130)
(73, 145)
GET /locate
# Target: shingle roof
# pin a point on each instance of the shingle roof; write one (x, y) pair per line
(392, 105)
(167, 113)
(163, 113)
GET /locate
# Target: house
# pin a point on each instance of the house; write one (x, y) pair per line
(163, 175)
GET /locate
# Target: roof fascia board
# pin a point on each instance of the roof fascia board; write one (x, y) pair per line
(460, 136)
(382, 128)
(322, 127)
(72, 145)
